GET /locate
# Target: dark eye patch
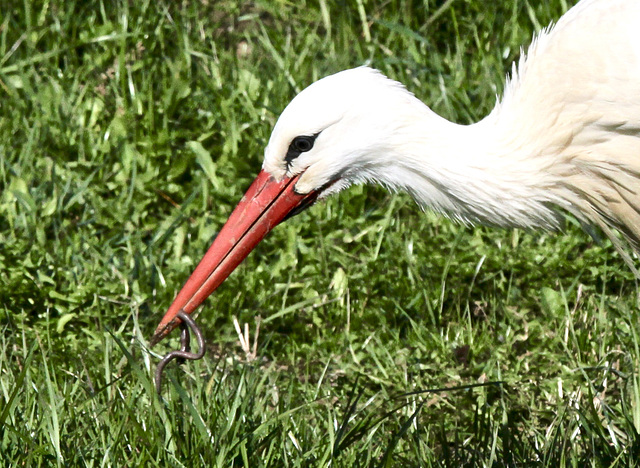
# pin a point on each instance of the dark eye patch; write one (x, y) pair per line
(300, 144)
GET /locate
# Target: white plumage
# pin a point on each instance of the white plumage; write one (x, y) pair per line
(564, 138)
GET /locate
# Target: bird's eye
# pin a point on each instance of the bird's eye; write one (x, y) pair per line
(300, 144)
(303, 143)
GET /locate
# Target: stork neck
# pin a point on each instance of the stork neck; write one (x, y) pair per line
(474, 174)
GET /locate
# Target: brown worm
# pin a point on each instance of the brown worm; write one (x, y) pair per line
(184, 353)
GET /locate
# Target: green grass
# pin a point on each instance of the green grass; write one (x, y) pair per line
(129, 130)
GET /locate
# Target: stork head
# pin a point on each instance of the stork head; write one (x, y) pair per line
(338, 131)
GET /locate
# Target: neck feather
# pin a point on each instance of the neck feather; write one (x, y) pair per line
(475, 173)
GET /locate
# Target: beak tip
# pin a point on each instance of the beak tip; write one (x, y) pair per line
(163, 330)
(156, 338)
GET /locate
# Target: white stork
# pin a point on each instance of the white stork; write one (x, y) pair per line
(565, 138)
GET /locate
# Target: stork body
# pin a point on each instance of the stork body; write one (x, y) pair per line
(564, 138)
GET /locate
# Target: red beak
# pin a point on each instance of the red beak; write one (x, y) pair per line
(266, 203)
